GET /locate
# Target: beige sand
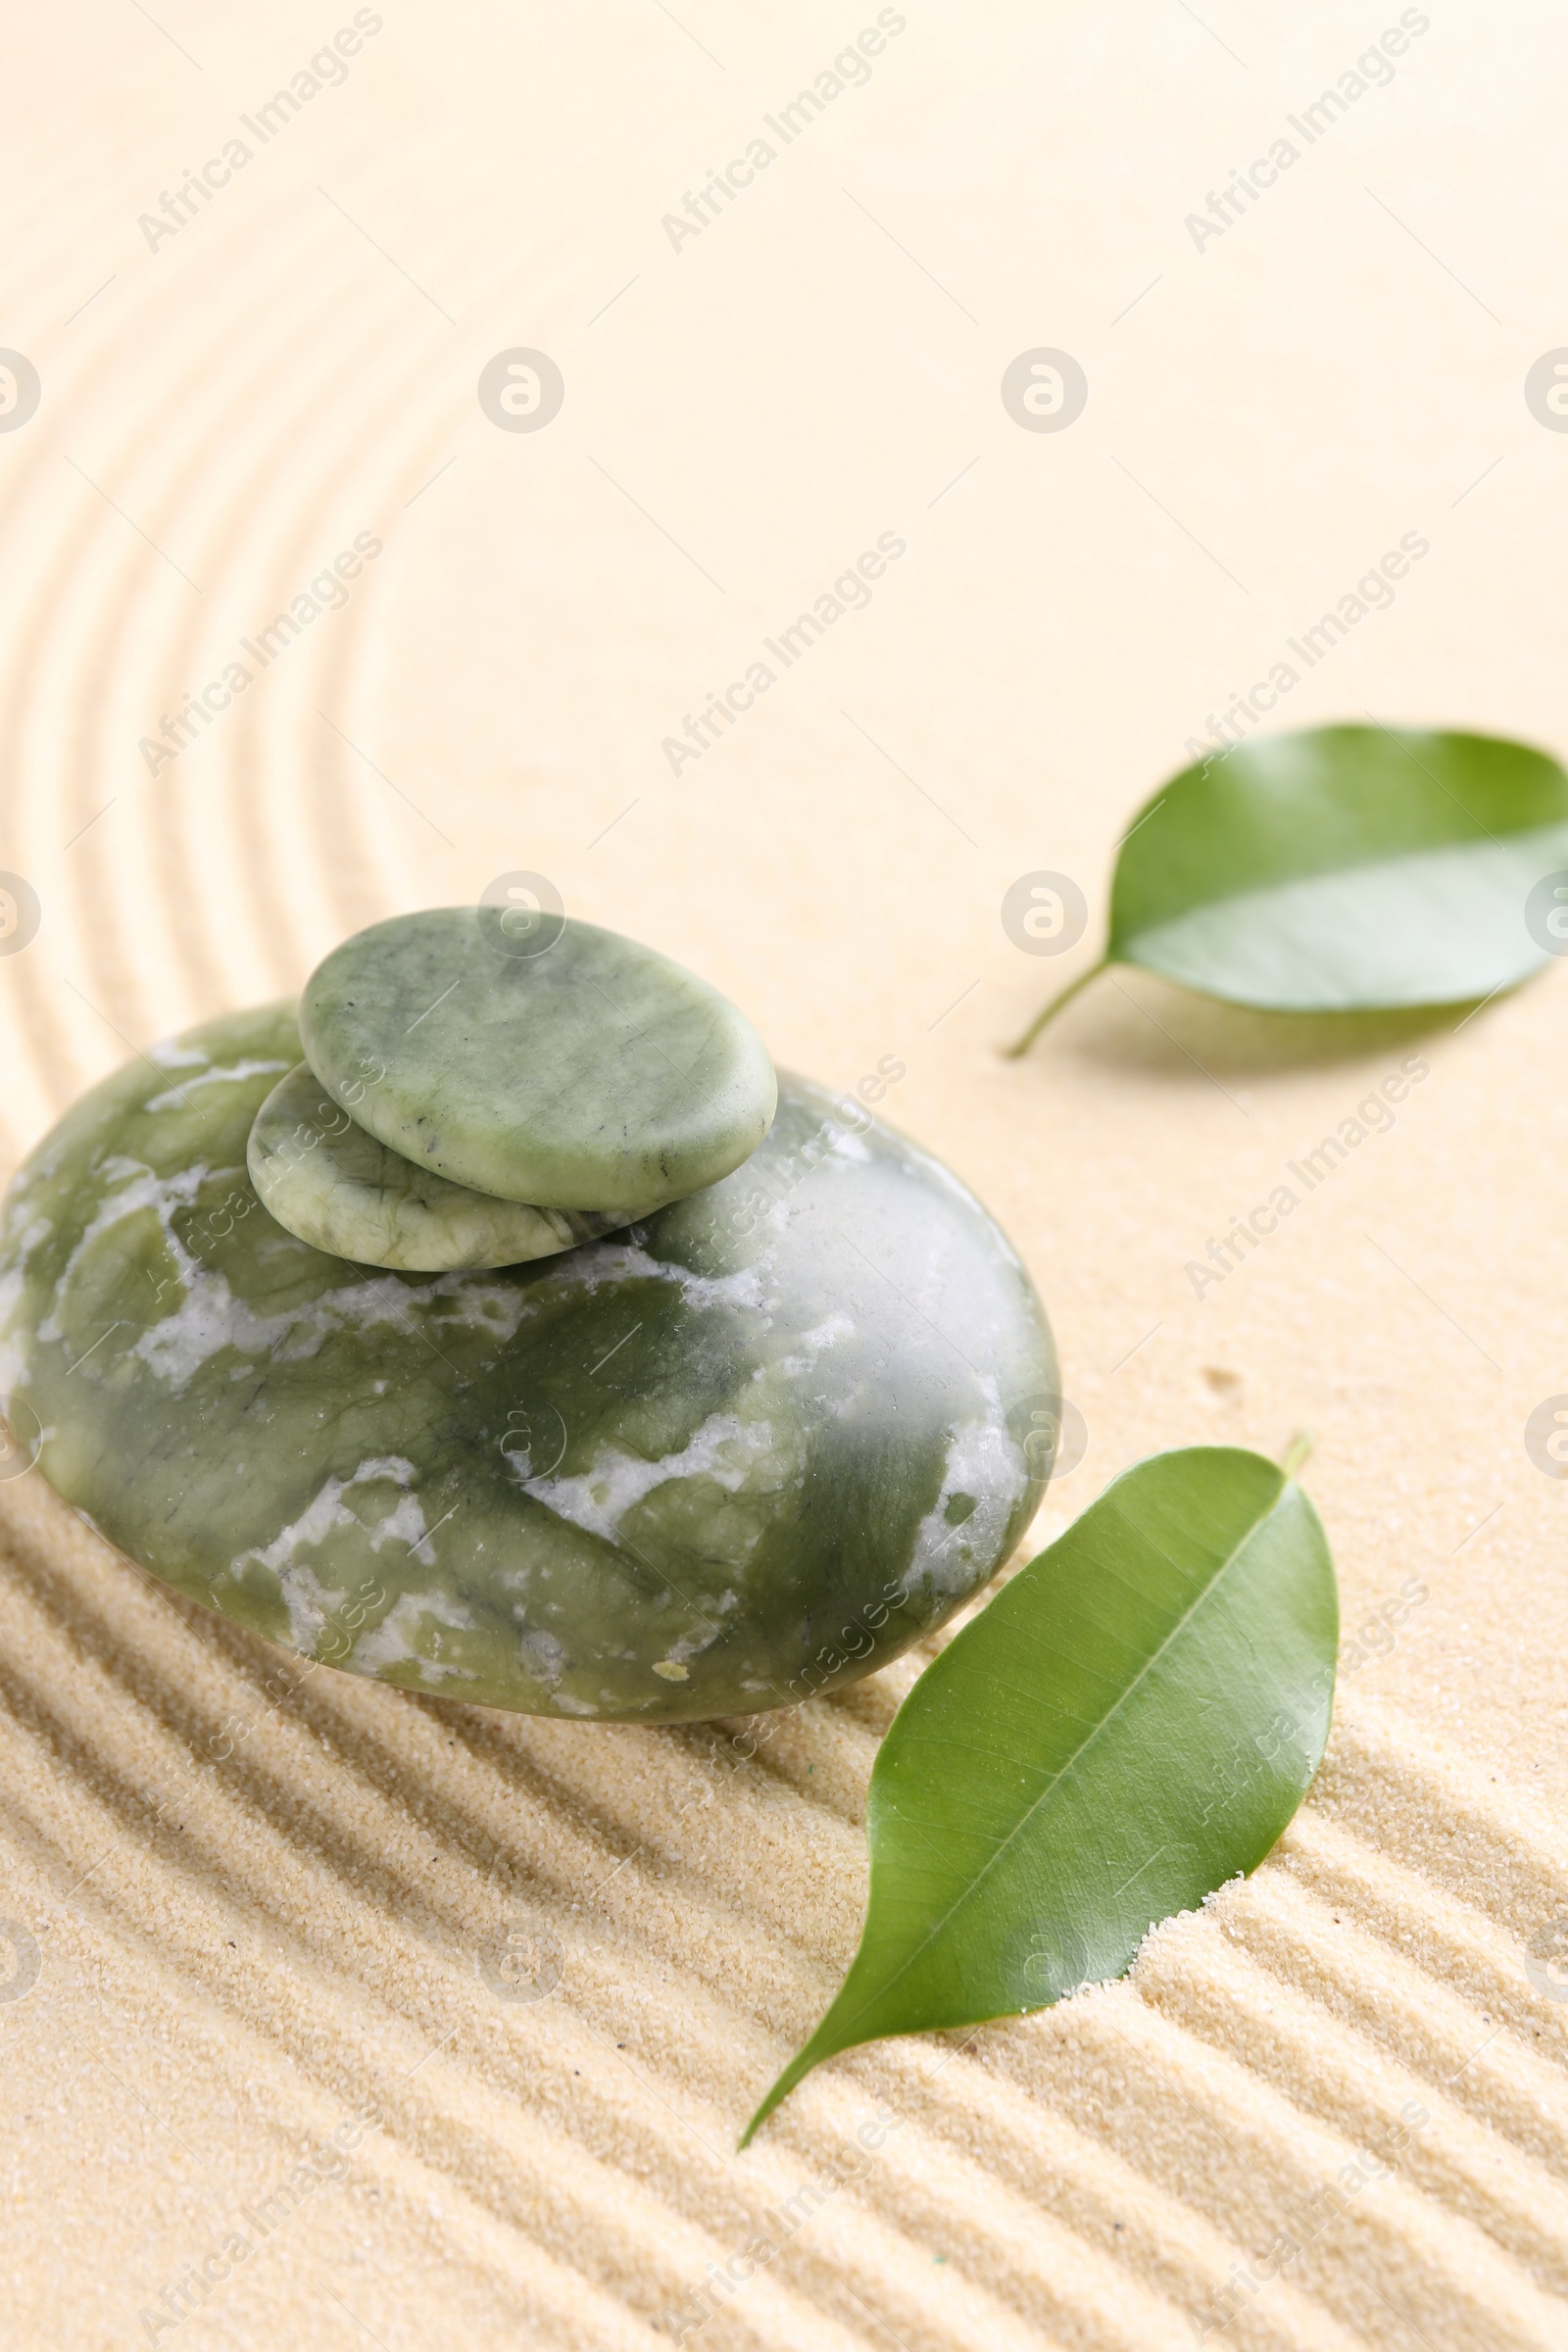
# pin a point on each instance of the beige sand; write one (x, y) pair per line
(255, 1921)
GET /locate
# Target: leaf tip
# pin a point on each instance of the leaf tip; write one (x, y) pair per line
(823, 2043)
(774, 2098)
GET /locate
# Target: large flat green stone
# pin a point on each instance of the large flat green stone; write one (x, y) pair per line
(320, 1174)
(595, 1074)
(745, 1451)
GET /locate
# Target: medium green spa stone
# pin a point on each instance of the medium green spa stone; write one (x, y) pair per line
(335, 1187)
(591, 1074)
(743, 1453)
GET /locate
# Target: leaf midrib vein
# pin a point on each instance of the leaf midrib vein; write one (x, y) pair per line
(1024, 1819)
(1517, 837)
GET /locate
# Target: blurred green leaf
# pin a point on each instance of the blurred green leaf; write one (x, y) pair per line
(1343, 869)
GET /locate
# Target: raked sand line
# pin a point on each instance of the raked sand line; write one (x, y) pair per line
(185, 342)
(171, 908)
(322, 1827)
(312, 1916)
(138, 874)
(1412, 2010)
(1330, 2072)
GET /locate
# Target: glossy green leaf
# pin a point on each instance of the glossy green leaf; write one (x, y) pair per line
(1130, 1723)
(1343, 869)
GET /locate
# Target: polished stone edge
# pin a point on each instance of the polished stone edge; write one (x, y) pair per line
(433, 1215)
(357, 1095)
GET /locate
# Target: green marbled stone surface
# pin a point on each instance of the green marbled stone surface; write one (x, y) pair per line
(594, 1075)
(738, 1454)
(321, 1175)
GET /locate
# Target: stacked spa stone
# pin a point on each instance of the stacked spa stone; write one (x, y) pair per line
(494, 1323)
(470, 1098)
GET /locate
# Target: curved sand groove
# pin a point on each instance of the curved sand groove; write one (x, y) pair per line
(136, 860)
(398, 1831)
(169, 522)
(161, 503)
(1488, 1843)
(114, 839)
(1458, 1945)
(206, 860)
(1272, 2022)
(535, 2169)
(238, 810)
(1354, 1971)
(1046, 2155)
(309, 1876)
(304, 1902)
(103, 867)
(57, 813)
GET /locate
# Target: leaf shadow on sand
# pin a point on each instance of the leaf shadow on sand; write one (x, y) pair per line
(1143, 1026)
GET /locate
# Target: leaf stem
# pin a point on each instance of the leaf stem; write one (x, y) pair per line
(1296, 1454)
(1049, 1011)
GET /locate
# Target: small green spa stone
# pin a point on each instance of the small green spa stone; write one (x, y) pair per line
(593, 1074)
(745, 1451)
(335, 1187)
